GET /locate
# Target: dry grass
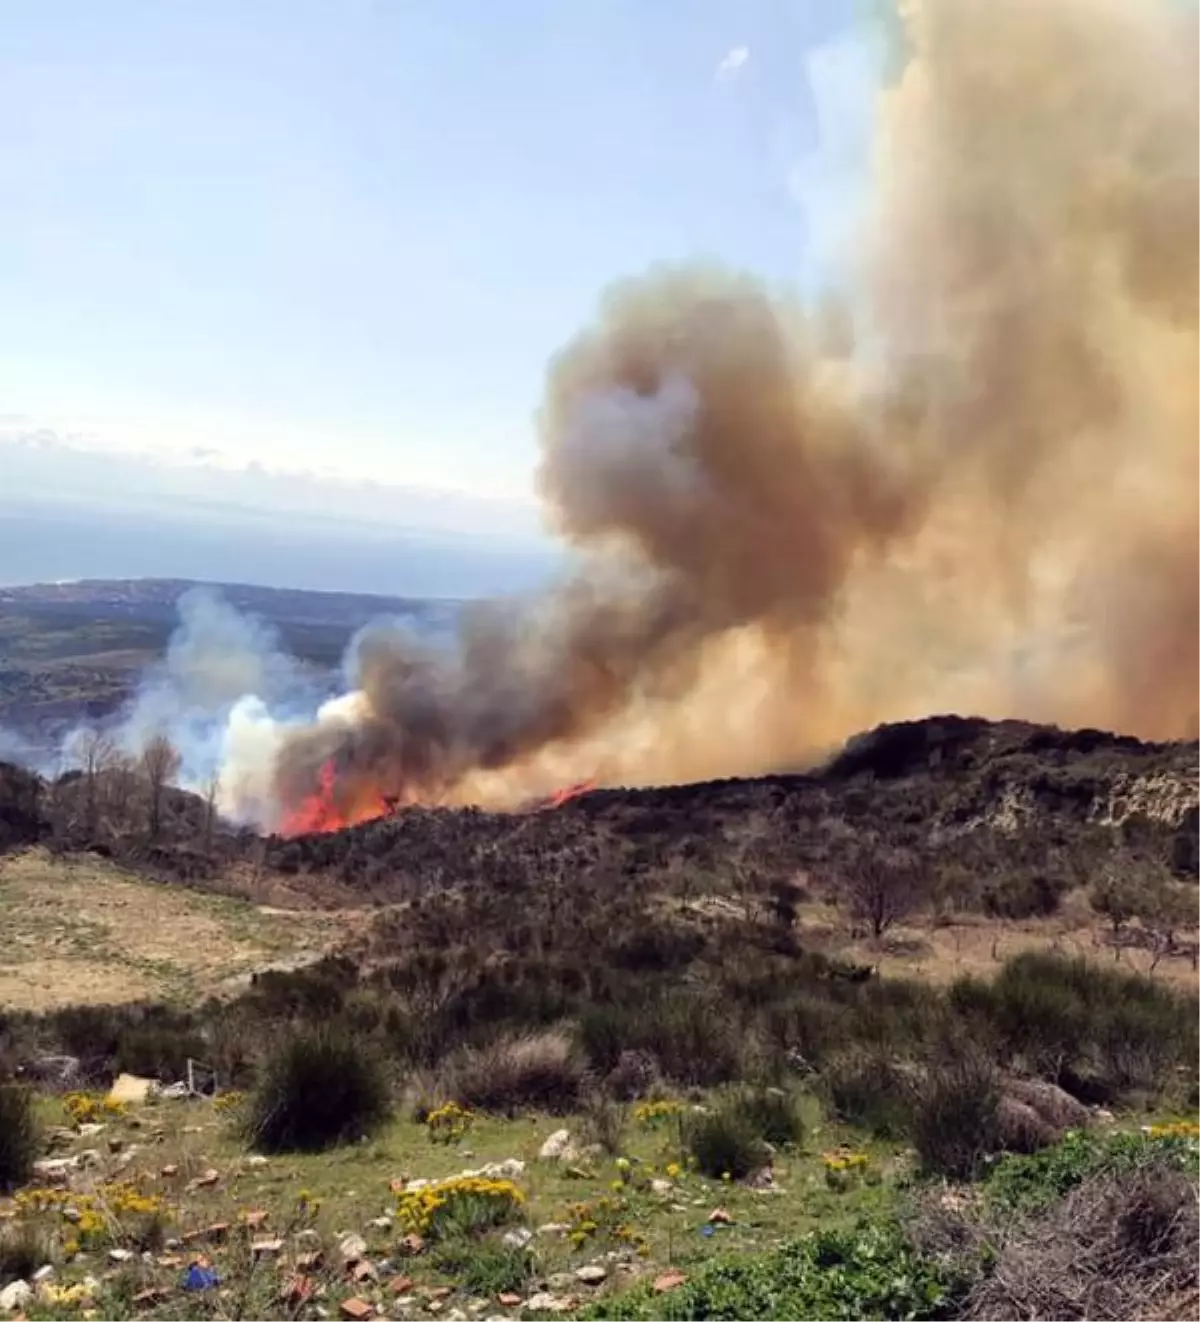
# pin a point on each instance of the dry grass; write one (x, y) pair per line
(82, 931)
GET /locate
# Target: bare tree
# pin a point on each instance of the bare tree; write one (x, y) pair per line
(212, 785)
(95, 753)
(160, 763)
(883, 884)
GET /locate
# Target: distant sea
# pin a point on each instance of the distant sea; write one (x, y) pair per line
(47, 541)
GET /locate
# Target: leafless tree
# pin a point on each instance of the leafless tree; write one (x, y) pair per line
(212, 785)
(160, 763)
(883, 884)
(95, 753)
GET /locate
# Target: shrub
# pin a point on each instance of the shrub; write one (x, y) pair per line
(605, 1121)
(24, 1247)
(954, 1119)
(448, 1124)
(867, 1271)
(537, 1070)
(315, 1091)
(773, 1115)
(725, 1142)
(461, 1205)
(867, 1087)
(486, 1269)
(20, 1140)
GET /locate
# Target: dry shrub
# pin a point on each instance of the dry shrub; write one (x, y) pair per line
(1057, 1108)
(1019, 1128)
(1119, 1246)
(540, 1071)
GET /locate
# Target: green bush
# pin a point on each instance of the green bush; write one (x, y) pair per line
(725, 1141)
(868, 1087)
(954, 1119)
(1031, 1183)
(20, 1140)
(773, 1115)
(485, 1268)
(316, 1090)
(868, 1271)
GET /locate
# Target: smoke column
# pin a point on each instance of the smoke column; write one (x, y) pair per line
(971, 487)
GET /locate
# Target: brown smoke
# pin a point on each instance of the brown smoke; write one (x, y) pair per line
(985, 498)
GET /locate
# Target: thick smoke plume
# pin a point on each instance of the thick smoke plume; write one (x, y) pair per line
(972, 486)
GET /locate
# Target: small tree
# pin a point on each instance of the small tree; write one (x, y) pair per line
(883, 884)
(1119, 897)
(95, 753)
(160, 763)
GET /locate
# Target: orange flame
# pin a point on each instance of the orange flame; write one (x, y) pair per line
(327, 809)
(324, 810)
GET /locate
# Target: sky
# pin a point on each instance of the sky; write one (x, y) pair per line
(315, 254)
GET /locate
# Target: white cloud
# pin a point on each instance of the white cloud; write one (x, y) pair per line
(732, 63)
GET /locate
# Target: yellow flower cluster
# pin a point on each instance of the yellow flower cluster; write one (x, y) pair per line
(228, 1101)
(651, 1113)
(471, 1202)
(449, 1123)
(845, 1161)
(66, 1296)
(1176, 1129)
(602, 1217)
(84, 1108)
(91, 1215)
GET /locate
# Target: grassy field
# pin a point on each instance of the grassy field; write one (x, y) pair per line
(78, 930)
(208, 1200)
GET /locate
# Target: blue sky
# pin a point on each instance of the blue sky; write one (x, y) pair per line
(341, 238)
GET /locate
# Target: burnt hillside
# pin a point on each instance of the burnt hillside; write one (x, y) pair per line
(966, 793)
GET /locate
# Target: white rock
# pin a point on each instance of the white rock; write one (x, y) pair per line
(256, 1161)
(661, 1186)
(556, 1146)
(352, 1248)
(55, 1170)
(554, 1228)
(592, 1274)
(15, 1296)
(381, 1223)
(516, 1239)
(91, 1129)
(45, 1273)
(543, 1302)
(118, 1256)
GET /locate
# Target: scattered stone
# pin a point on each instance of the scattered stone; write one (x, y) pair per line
(660, 1186)
(719, 1217)
(1103, 1116)
(557, 1146)
(266, 1248)
(351, 1248)
(381, 1223)
(510, 1300)
(762, 1179)
(669, 1280)
(169, 1172)
(544, 1302)
(151, 1296)
(308, 1262)
(256, 1161)
(309, 1235)
(72, 1214)
(254, 1217)
(412, 1244)
(296, 1290)
(401, 1284)
(88, 1157)
(169, 1260)
(592, 1274)
(516, 1239)
(55, 1170)
(45, 1273)
(208, 1180)
(115, 1144)
(579, 1173)
(436, 1292)
(132, 1089)
(15, 1296)
(553, 1228)
(355, 1309)
(91, 1128)
(364, 1270)
(118, 1256)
